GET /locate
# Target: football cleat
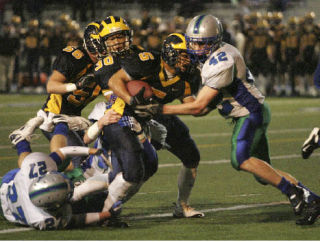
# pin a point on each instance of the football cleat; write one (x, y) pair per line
(25, 132)
(185, 211)
(310, 144)
(75, 123)
(296, 198)
(311, 213)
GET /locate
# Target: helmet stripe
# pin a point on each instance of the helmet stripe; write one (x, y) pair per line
(60, 186)
(197, 24)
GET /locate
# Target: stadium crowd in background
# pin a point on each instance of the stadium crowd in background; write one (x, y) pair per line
(281, 52)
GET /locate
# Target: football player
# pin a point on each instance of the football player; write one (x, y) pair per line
(223, 70)
(171, 77)
(124, 142)
(36, 194)
(71, 86)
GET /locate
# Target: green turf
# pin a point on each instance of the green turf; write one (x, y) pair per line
(217, 188)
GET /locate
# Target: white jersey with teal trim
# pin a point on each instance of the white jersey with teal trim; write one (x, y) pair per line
(226, 71)
(14, 193)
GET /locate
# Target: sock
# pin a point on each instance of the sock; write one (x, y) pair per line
(284, 186)
(118, 189)
(150, 160)
(150, 151)
(23, 146)
(92, 184)
(312, 196)
(185, 184)
(61, 128)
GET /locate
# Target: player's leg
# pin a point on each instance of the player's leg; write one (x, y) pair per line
(128, 150)
(241, 158)
(182, 145)
(21, 137)
(62, 136)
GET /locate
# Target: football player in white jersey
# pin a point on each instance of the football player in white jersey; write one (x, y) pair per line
(223, 70)
(36, 194)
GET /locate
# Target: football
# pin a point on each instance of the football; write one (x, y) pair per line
(135, 86)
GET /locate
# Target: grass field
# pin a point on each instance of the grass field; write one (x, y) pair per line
(235, 205)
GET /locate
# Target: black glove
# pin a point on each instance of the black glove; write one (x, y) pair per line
(85, 81)
(148, 110)
(138, 99)
(215, 101)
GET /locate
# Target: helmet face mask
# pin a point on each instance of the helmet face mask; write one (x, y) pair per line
(203, 35)
(116, 35)
(50, 191)
(92, 41)
(174, 52)
(117, 44)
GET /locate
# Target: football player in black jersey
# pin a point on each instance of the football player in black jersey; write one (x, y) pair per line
(171, 77)
(71, 87)
(128, 145)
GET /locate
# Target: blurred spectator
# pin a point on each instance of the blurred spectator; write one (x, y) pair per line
(278, 5)
(226, 36)
(35, 8)
(32, 45)
(153, 42)
(9, 47)
(17, 9)
(239, 37)
(2, 8)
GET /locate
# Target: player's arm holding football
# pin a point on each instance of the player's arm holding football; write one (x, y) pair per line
(140, 65)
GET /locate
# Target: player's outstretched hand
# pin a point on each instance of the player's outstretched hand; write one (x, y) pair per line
(148, 110)
(85, 81)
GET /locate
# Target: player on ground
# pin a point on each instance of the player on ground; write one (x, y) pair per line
(36, 194)
(223, 70)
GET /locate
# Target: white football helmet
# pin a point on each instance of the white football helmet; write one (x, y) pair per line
(203, 36)
(50, 191)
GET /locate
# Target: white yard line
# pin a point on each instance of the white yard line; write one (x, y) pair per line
(271, 131)
(214, 162)
(163, 215)
(211, 210)
(9, 231)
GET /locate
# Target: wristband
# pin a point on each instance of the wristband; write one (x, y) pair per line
(93, 131)
(74, 151)
(70, 87)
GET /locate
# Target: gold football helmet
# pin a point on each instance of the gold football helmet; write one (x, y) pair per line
(116, 35)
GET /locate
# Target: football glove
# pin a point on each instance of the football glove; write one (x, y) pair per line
(148, 110)
(84, 81)
(138, 99)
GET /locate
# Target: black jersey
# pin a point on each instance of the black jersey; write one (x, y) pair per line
(149, 67)
(73, 63)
